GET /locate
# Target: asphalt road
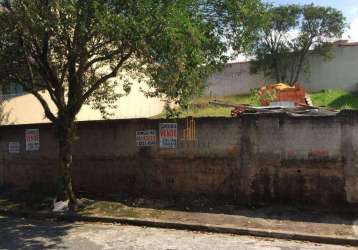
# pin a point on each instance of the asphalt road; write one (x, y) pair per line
(28, 234)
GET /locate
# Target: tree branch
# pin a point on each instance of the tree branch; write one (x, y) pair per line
(45, 105)
(33, 91)
(103, 79)
(102, 58)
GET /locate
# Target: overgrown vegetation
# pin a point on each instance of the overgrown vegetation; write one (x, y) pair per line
(332, 98)
(201, 106)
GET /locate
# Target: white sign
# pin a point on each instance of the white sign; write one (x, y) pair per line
(32, 137)
(14, 147)
(146, 138)
(168, 135)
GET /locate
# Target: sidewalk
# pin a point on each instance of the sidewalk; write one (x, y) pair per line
(276, 222)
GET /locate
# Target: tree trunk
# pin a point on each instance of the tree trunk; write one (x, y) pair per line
(64, 184)
(276, 68)
(301, 61)
(298, 71)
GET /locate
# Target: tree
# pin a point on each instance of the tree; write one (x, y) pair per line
(76, 49)
(291, 33)
(4, 115)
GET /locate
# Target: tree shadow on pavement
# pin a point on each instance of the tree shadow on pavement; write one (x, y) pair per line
(27, 234)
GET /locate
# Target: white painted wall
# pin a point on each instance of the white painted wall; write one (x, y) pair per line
(134, 105)
(340, 72)
(235, 79)
(24, 109)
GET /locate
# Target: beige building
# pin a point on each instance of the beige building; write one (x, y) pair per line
(23, 108)
(340, 72)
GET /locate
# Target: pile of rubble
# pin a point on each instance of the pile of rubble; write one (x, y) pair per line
(280, 98)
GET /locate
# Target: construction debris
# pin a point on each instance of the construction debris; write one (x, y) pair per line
(299, 110)
(280, 98)
(282, 92)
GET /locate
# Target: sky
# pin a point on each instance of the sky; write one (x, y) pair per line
(348, 7)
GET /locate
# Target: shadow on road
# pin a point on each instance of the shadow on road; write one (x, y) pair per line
(26, 234)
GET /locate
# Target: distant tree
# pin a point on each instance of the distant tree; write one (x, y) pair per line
(4, 115)
(75, 49)
(291, 33)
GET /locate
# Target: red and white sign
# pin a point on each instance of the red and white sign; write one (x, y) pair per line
(32, 137)
(146, 138)
(168, 135)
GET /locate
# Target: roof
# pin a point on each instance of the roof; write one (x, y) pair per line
(348, 44)
(240, 62)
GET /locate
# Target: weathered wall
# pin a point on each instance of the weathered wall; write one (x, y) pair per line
(249, 159)
(337, 73)
(235, 79)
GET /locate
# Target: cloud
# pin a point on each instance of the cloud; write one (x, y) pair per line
(352, 33)
(353, 11)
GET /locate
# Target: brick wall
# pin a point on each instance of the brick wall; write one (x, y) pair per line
(249, 159)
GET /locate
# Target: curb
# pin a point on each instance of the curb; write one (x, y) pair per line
(187, 226)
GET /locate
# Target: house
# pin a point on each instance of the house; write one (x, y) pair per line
(24, 108)
(339, 72)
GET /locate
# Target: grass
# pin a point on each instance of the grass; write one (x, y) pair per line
(200, 107)
(335, 98)
(332, 98)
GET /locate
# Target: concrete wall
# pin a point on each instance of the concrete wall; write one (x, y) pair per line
(247, 160)
(235, 79)
(338, 73)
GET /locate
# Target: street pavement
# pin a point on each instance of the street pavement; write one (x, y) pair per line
(29, 234)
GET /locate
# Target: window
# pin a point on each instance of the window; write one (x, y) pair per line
(11, 89)
(18, 89)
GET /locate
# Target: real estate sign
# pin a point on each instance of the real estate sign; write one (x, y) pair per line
(32, 137)
(14, 147)
(146, 138)
(168, 135)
